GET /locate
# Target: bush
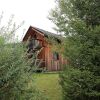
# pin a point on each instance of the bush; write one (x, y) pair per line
(16, 82)
(80, 85)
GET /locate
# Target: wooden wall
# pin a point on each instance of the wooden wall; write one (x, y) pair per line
(52, 65)
(46, 54)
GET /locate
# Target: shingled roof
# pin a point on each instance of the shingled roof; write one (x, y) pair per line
(47, 33)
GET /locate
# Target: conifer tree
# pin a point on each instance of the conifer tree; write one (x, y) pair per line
(80, 21)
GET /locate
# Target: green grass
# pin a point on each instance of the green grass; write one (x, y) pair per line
(48, 84)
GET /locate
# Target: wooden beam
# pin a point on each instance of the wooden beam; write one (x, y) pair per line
(37, 31)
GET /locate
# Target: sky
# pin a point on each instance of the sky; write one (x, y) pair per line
(32, 12)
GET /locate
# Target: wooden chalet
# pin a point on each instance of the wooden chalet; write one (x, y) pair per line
(40, 45)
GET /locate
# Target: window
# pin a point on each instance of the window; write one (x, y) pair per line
(33, 44)
(55, 56)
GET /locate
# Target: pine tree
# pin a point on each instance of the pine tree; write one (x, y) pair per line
(80, 21)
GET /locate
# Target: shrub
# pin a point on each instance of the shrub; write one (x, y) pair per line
(16, 82)
(80, 85)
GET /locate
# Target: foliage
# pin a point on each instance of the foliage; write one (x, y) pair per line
(68, 12)
(80, 21)
(9, 29)
(83, 50)
(82, 85)
(16, 82)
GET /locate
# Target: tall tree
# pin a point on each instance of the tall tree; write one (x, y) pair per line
(80, 21)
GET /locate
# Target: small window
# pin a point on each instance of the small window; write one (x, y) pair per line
(36, 43)
(31, 43)
(55, 56)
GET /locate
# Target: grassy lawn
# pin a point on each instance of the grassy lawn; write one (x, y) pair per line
(49, 85)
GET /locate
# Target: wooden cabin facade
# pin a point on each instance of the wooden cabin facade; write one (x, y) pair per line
(47, 59)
